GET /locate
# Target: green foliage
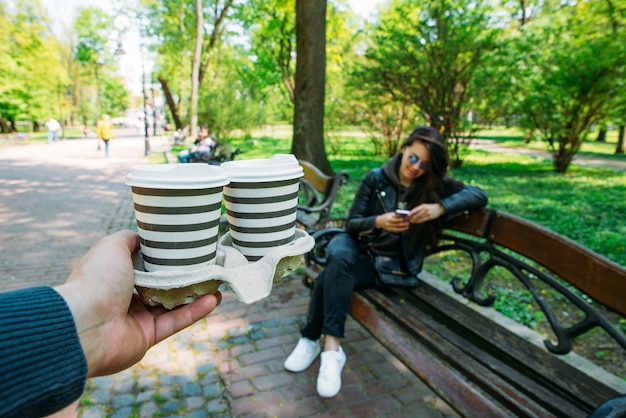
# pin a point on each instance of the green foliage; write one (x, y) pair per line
(114, 96)
(92, 29)
(172, 26)
(271, 26)
(40, 77)
(272, 29)
(573, 62)
(228, 103)
(518, 305)
(30, 67)
(425, 54)
(582, 205)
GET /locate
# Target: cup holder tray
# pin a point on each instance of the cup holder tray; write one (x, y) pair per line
(249, 281)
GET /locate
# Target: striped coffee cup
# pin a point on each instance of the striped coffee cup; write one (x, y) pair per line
(261, 201)
(177, 207)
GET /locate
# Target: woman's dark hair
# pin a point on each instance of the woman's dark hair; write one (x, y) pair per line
(437, 149)
(434, 184)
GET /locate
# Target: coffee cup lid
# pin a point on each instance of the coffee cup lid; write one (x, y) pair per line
(277, 167)
(177, 176)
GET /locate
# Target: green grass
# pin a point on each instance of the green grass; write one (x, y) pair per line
(586, 204)
(42, 136)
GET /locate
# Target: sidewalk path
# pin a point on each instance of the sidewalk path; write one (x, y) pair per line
(618, 164)
(56, 200)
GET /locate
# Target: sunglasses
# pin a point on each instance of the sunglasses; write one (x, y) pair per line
(414, 159)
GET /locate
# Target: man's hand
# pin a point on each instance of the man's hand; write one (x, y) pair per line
(114, 327)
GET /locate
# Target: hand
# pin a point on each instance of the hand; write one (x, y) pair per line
(426, 212)
(114, 327)
(392, 222)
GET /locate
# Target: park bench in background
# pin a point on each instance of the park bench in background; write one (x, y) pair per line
(476, 364)
(317, 195)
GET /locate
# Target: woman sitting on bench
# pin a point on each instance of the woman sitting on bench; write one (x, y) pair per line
(397, 211)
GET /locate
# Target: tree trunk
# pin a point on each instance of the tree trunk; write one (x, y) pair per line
(529, 136)
(308, 120)
(171, 103)
(195, 70)
(562, 158)
(4, 126)
(619, 148)
(602, 134)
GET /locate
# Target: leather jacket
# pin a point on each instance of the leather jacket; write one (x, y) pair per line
(376, 195)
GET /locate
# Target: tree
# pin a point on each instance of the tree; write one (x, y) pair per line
(621, 134)
(425, 54)
(96, 81)
(271, 25)
(308, 123)
(233, 100)
(572, 66)
(195, 68)
(175, 25)
(30, 71)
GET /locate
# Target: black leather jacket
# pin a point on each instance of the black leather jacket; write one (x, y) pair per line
(377, 195)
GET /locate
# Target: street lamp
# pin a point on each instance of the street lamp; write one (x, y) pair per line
(146, 141)
(120, 51)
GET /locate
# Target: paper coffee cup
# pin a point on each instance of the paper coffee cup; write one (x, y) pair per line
(177, 207)
(261, 201)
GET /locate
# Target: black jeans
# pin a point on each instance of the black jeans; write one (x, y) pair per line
(346, 270)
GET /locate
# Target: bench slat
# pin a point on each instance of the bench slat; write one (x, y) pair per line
(451, 387)
(317, 195)
(593, 274)
(476, 223)
(564, 380)
(320, 181)
(487, 372)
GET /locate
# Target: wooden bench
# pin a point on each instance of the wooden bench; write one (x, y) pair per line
(317, 195)
(474, 362)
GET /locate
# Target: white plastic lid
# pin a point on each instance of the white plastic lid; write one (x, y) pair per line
(278, 167)
(177, 176)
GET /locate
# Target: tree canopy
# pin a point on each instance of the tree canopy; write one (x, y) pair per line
(551, 67)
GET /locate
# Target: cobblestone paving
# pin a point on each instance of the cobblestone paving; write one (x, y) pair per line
(56, 200)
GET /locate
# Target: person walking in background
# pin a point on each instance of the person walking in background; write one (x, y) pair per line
(105, 132)
(397, 211)
(53, 126)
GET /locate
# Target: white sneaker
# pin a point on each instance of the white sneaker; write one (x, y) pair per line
(329, 377)
(303, 355)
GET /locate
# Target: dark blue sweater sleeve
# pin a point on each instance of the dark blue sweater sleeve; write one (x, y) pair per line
(42, 365)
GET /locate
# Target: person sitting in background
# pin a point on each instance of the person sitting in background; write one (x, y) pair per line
(415, 181)
(53, 339)
(203, 146)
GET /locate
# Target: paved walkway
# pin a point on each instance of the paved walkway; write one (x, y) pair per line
(57, 199)
(618, 164)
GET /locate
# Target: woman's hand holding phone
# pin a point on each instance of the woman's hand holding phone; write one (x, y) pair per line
(403, 213)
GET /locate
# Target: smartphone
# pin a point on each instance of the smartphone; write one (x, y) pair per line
(403, 213)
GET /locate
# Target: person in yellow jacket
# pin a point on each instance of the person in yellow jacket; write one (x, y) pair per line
(105, 132)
